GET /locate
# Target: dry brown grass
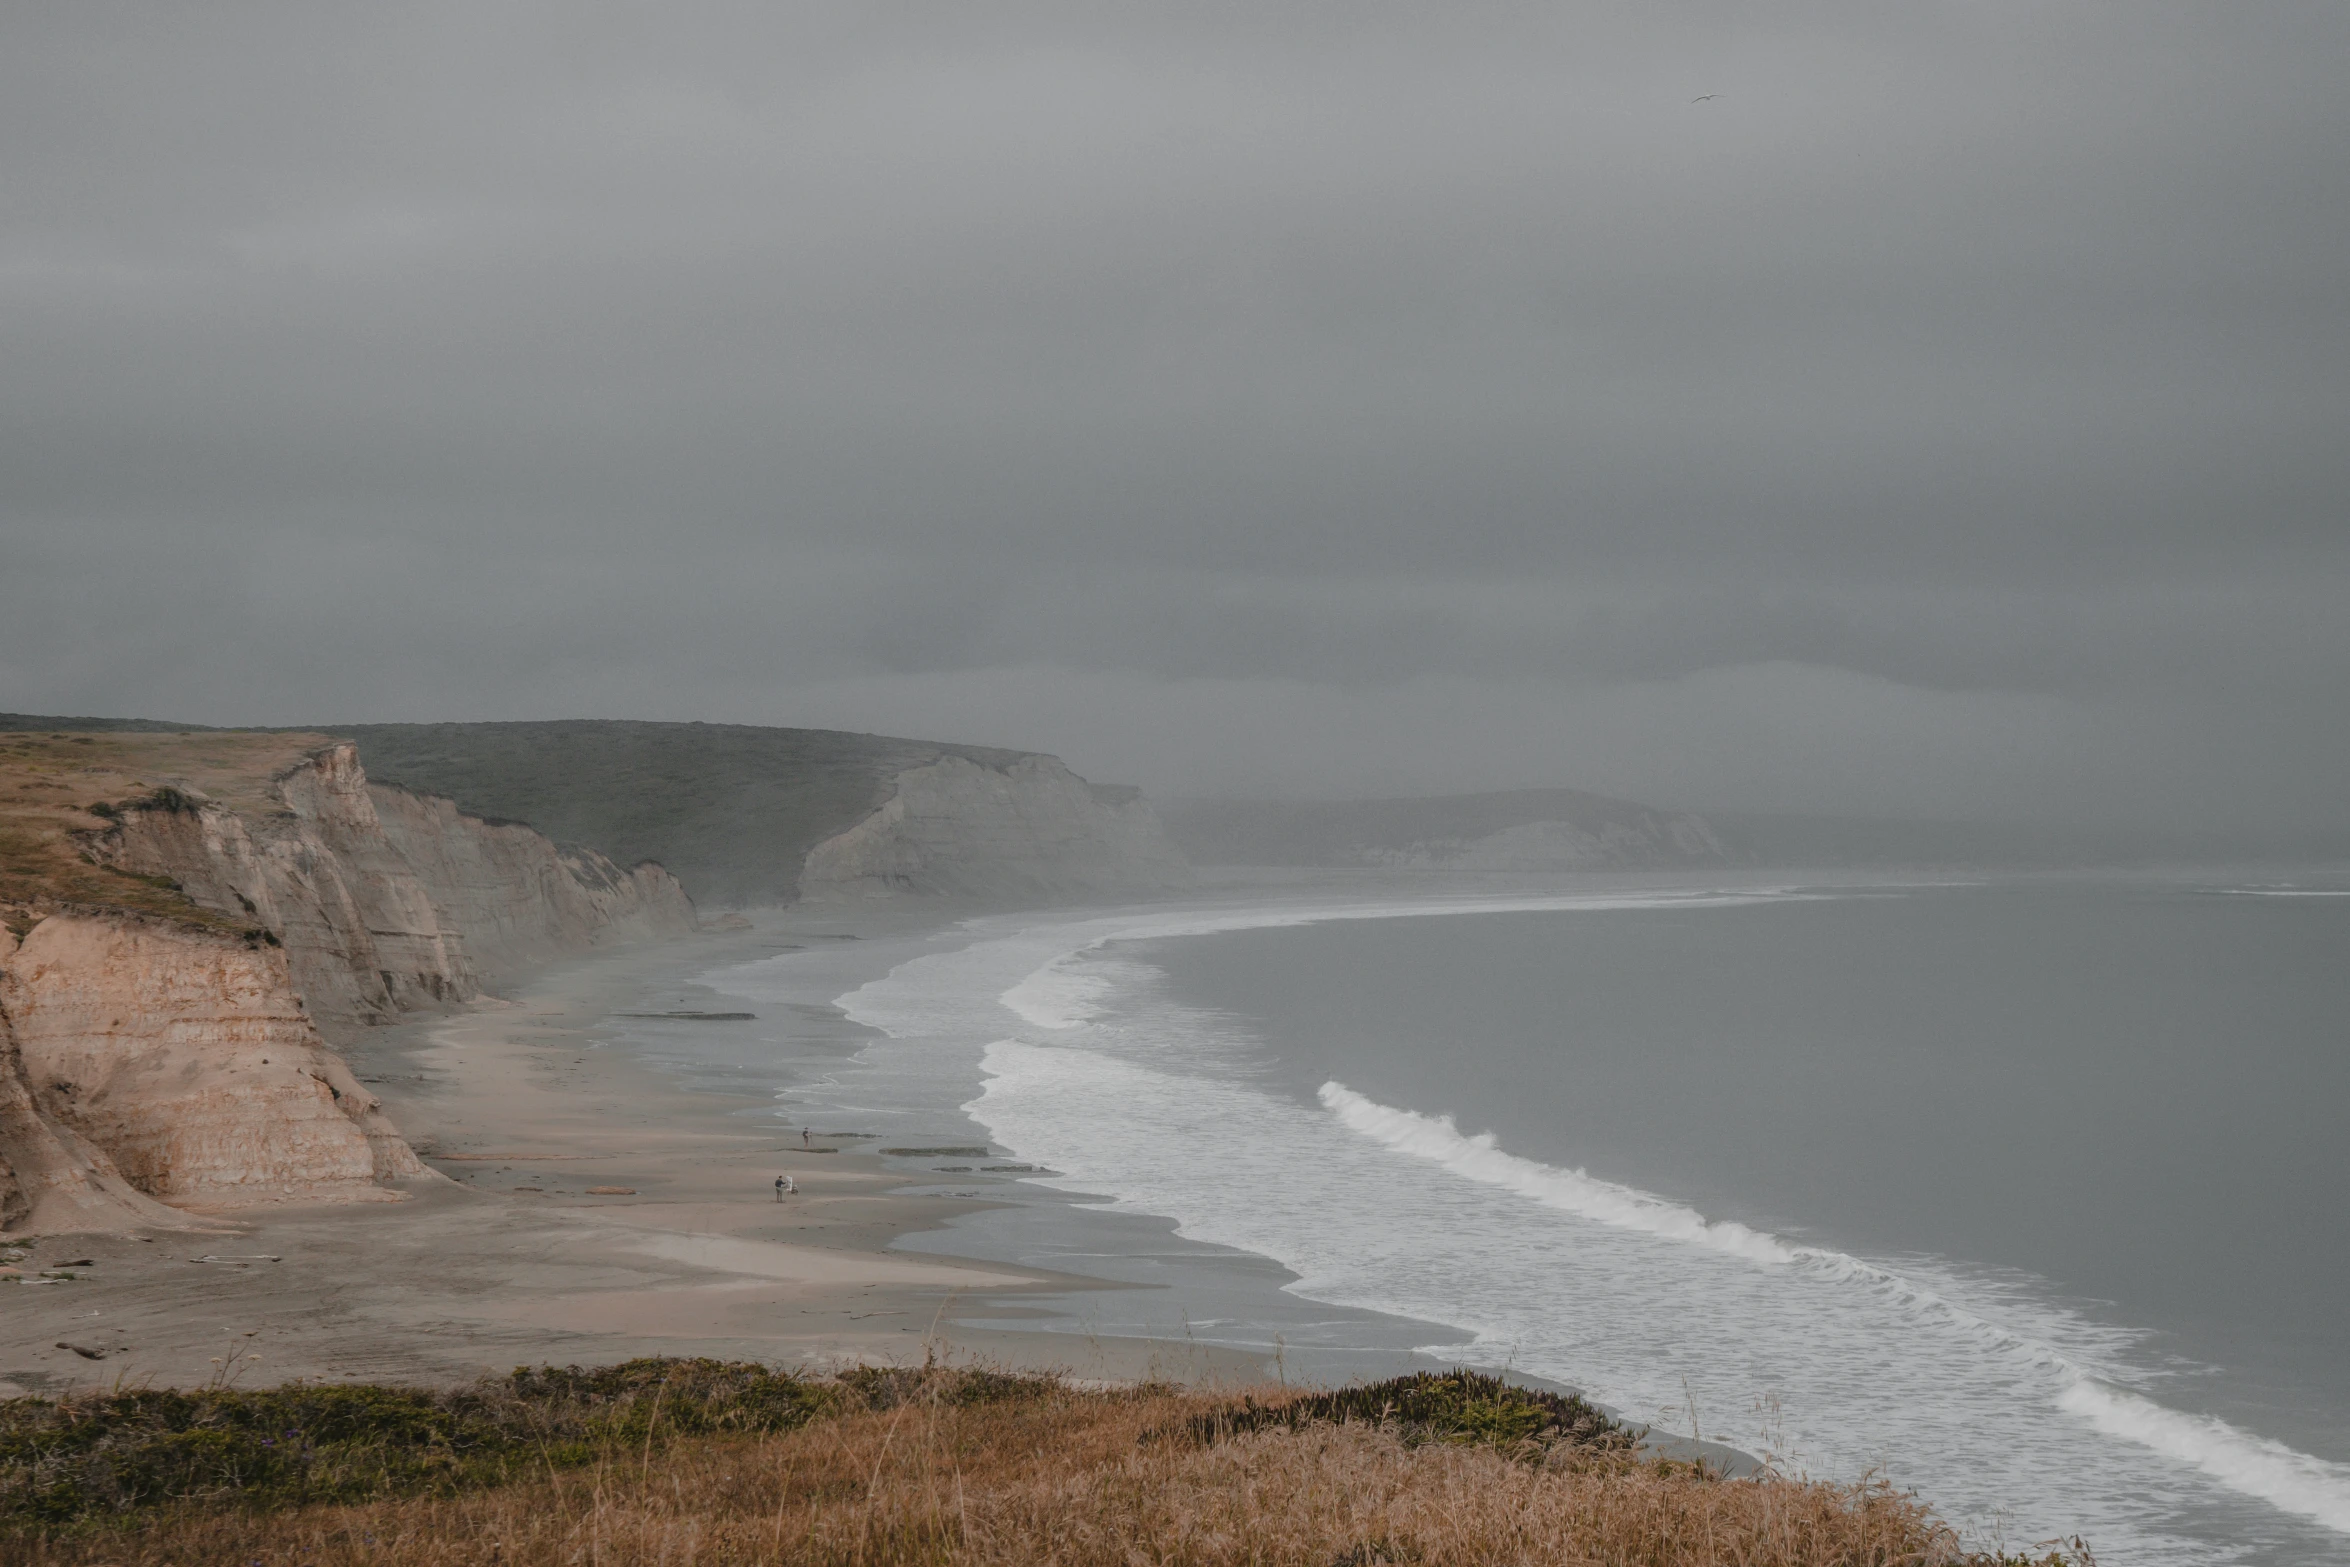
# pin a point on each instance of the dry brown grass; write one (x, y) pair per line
(48, 782)
(1066, 1478)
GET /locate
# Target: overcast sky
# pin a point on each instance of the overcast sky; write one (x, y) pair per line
(1949, 415)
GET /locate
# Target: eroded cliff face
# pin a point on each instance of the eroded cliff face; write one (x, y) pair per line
(50, 1179)
(362, 938)
(1029, 831)
(150, 1065)
(512, 897)
(153, 1063)
(386, 901)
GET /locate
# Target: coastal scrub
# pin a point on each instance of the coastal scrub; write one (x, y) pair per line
(702, 1461)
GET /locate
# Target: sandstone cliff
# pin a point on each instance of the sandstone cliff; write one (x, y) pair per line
(387, 901)
(50, 1179)
(178, 1062)
(1027, 831)
(516, 899)
(182, 949)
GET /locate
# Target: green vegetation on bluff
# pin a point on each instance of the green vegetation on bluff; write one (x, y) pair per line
(111, 1455)
(1436, 1406)
(731, 810)
(61, 790)
(707, 1461)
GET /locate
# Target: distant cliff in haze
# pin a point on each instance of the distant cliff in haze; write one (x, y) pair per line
(1518, 830)
(192, 921)
(744, 814)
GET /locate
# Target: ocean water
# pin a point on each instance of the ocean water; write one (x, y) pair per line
(2031, 1196)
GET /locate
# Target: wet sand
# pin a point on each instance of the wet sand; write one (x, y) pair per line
(512, 1256)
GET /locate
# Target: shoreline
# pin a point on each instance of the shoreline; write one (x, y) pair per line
(521, 1105)
(647, 1068)
(1145, 1281)
(1132, 1052)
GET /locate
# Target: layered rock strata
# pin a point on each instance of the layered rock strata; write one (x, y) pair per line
(50, 1178)
(1027, 831)
(388, 901)
(180, 1064)
(513, 898)
(150, 1066)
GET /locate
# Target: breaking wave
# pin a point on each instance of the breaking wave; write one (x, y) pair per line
(2254, 1465)
(2012, 1413)
(1479, 1158)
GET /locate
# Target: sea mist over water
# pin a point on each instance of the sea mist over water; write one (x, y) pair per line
(2019, 1405)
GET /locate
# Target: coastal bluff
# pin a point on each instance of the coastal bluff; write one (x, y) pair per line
(1515, 830)
(1031, 830)
(194, 919)
(197, 919)
(746, 814)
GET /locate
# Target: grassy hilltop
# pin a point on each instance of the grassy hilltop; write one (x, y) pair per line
(60, 786)
(731, 810)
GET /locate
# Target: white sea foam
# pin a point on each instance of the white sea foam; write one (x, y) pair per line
(2254, 1465)
(1479, 1158)
(2287, 892)
(1640, 1319)
(1058, 996)
(1984, 1396)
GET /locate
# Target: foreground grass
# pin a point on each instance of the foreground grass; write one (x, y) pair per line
(700, 1462)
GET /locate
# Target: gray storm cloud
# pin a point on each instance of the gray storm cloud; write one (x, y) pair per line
(1943, 418)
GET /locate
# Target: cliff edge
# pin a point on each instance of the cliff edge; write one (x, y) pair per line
(192, 918)
(1030, 831)
(746, 814)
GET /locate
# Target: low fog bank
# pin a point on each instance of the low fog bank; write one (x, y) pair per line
(1829, 842)
(1298, 776)
(1564, 829)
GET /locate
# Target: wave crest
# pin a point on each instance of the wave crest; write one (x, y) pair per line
(2256, 1466)
(1479, 1157)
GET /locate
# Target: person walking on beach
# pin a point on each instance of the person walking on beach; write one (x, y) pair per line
(784, 1185)
(804, 1142)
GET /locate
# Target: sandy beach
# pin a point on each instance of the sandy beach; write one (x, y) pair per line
(587, 1207)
